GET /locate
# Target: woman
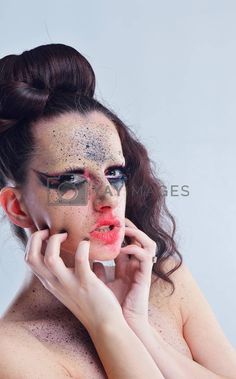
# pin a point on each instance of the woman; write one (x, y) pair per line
(78, 189)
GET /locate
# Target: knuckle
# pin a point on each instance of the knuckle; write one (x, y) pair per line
(29, 259)
(50, 260)
(35, 234)
(79, 259)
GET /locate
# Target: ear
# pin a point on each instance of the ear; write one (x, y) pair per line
(10, 200)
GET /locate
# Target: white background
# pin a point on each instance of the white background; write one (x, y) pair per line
(168, 68)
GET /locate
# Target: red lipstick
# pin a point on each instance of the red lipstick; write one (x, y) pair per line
(108, 235)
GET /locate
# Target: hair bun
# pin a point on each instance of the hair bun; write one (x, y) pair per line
(58, 67)
(27, 80)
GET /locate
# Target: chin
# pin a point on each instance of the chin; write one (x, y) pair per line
(104, 252)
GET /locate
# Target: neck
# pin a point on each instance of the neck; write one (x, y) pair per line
(35, 302)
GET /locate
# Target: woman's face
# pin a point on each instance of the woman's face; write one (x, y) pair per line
(77, 201)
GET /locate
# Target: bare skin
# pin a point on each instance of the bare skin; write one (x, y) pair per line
(48, 325)
(50, 322)
(29, 208)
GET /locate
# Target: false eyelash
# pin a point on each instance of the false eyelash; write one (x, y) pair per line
(72, 170)
(123, 169)
(125, 172)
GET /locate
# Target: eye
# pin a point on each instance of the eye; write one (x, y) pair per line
(117, 173)
(74, 179)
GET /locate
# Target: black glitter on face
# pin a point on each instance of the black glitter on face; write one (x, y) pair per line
(81, 143)
(95, 142)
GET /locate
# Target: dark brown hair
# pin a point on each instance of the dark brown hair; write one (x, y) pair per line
(55, 79)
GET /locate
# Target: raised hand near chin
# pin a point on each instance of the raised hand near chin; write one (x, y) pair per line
(78, 288)
(133, 274)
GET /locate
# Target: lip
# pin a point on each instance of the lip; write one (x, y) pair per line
(107, 222)
(107, 237)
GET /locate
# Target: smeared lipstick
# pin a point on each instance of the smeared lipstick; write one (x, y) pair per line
(107, 236)
(110, 236)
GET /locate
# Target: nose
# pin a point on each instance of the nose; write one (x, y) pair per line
(104, 195)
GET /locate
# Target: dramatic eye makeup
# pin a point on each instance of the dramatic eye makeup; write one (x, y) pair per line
(120, 179)
(116, 175)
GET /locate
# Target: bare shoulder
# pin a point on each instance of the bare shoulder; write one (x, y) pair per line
(214, 352)
(161, 290)
(23, 356)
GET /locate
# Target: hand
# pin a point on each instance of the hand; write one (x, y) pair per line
(78, 288)
(132, 275)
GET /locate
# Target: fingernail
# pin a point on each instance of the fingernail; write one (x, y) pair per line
(63, 234)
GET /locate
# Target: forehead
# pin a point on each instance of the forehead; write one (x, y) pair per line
(90, 138)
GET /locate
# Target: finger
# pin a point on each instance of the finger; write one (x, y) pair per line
(144, 257)
(121, 262)
(33, 255)
(82, 266)
(100, 271)
(145, 241)
(35, 241)
(128, 222)
(130, 240)
(53, 261)
(134, 263)
(134, 266)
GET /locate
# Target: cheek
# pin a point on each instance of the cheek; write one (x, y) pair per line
(70, 218)
(59, 217)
